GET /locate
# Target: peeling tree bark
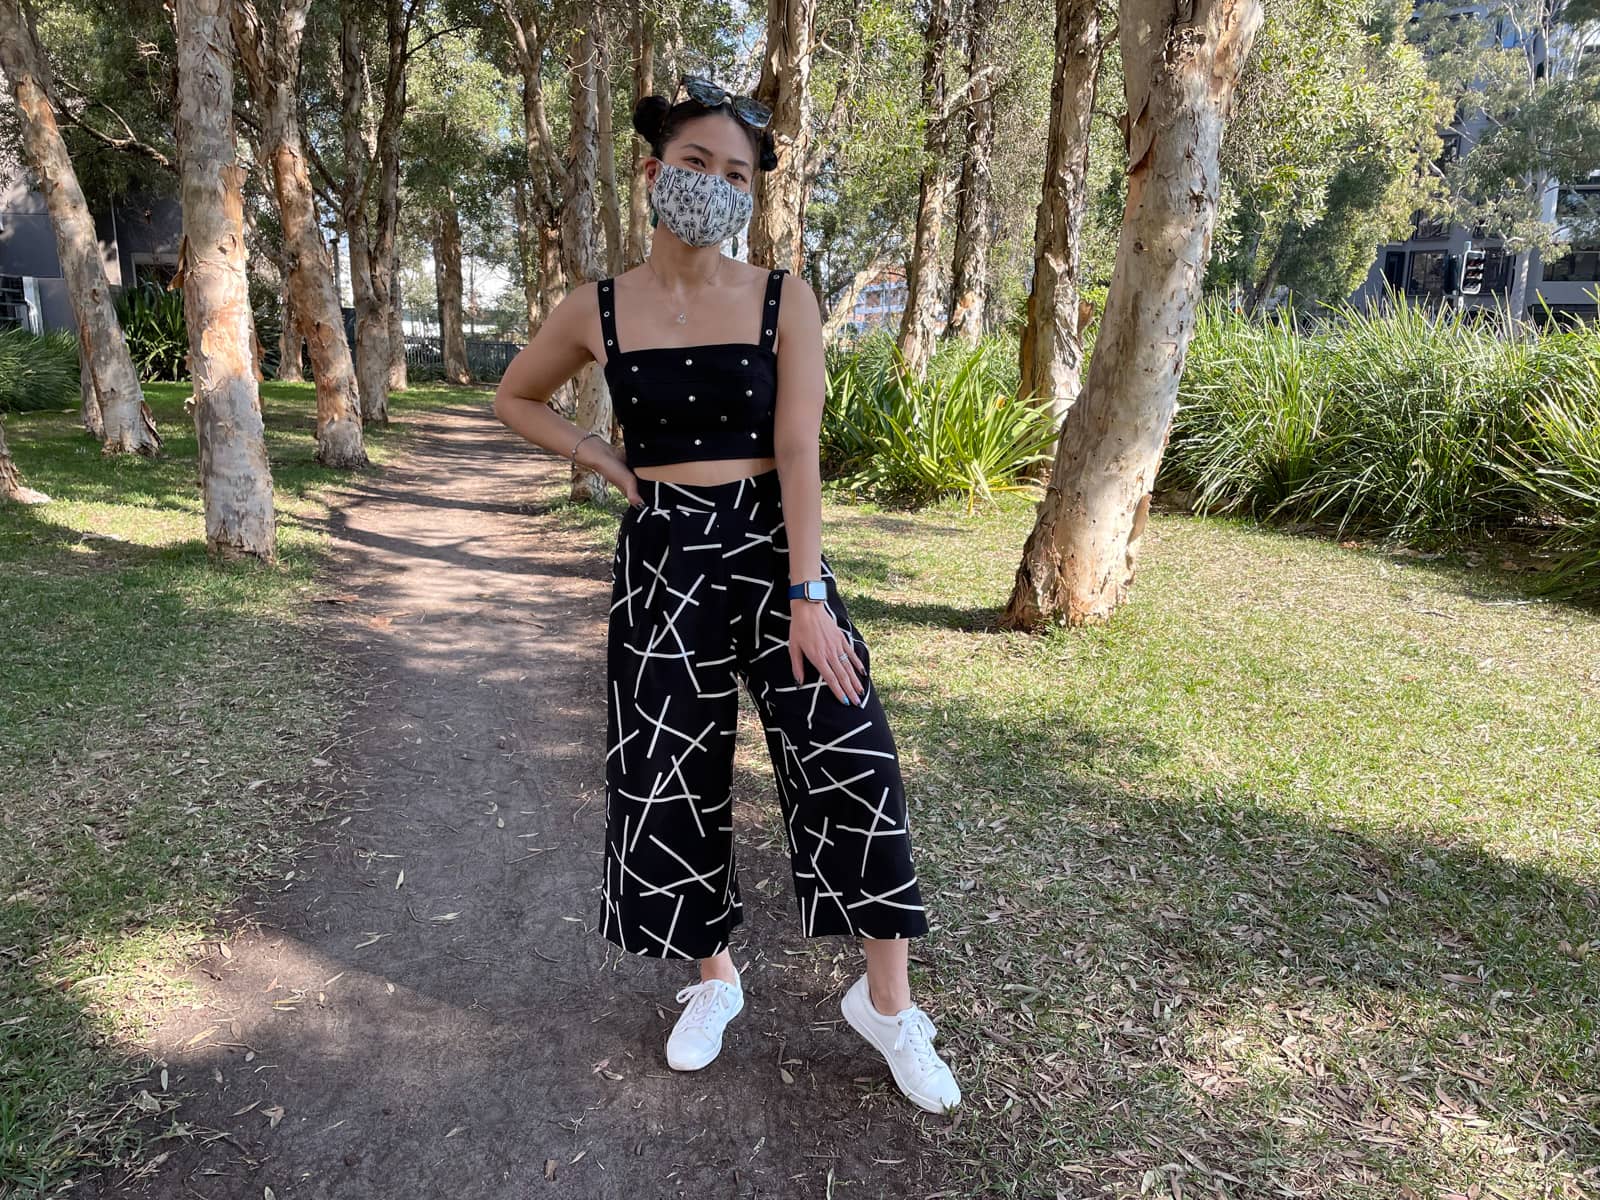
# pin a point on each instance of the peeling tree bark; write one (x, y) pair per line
(272, 67)
(1181, 60)
(1051, 350)
(922, 269)
(527, 256)
(778, 218)
(235, 475)
(547, 172)
(583, 261)
(447, 275)
(12, 489)
(291, 342)
(610, 201)
(969, 264)
(125, 421)
(372, 325)
(399, 377)
(643, 45)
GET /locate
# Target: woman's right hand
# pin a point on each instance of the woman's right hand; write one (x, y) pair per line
(617, 473)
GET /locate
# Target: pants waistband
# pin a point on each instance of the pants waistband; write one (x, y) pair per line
(708, 497)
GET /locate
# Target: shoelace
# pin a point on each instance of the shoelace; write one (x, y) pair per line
(704, 999)
(917, 1031)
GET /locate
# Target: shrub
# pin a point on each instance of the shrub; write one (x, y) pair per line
(38, 371)
(961, 431)
(1430, 427)
(157, 335)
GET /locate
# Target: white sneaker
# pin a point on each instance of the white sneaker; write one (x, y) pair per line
(906, 1042)
(697, 1037)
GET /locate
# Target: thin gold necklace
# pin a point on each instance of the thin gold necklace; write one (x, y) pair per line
(683, 316)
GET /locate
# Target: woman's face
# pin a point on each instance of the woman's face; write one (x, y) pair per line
(716, 144)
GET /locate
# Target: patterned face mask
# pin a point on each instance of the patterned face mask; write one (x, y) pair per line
(701, 208)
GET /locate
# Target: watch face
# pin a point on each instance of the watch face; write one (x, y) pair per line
(816, 590)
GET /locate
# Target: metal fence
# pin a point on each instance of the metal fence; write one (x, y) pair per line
(486, 360)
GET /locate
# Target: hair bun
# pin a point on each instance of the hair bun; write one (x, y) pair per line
(769, 155)
(648, 115)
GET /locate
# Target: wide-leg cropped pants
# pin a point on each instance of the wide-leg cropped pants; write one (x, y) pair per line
(699, 603)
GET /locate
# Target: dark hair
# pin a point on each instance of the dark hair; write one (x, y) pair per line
(657, 120)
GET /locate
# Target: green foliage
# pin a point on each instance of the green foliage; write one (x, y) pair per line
(1326, 152)
(1559, 463)
(37, 371)
(157, 335)
(1528, 98)
(1436, 428)
(960, 432)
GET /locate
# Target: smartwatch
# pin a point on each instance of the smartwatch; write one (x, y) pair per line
(810, 589)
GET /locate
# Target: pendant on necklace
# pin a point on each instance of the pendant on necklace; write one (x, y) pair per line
(682, 317)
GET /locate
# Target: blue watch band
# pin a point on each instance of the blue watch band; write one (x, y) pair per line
(809, 589)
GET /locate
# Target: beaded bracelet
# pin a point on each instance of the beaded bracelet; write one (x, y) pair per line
(580, 442)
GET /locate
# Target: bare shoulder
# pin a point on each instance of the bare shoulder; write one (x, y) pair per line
(798, 310)
(576, 318)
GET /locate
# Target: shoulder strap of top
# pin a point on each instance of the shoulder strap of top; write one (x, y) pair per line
(607, 293)
(769, 307)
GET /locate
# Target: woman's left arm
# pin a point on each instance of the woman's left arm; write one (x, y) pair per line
(802, 393)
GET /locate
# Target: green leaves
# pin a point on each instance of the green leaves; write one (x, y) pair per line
(961, 432)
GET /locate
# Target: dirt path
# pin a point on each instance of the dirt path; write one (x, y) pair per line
(468, 1033)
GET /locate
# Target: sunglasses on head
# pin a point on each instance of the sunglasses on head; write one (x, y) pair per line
(748, 109)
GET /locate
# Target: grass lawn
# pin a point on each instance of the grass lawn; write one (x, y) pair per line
(1285, 883)
(157, 724)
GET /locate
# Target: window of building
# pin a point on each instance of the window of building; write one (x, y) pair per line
(1451, 148)
(1575, 266)
(154, 269)
(1394, 269)
(1428, 228)
(14, 303)
(1429, 274)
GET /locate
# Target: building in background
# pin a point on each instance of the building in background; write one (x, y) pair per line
(1428, 264)
(138, 243)
(879, 304)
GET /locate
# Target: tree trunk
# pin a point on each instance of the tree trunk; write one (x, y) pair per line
(583, 262)
(88, 400)
(399, 375)
(778, 219)
(844, 305)
(126, 423)
(644, 61)
(1181, 61)
(1519, 285)
(291, 342)
(922, 271)
(385, 240)
(12, 489)
(969, 268)
(1051, 350)
(272, 67)
(527, 256)
(447, 271)
(610, 203)
(1263, 288)
(372, 323)
(235, 474)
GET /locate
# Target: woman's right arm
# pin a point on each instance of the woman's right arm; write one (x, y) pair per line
(556, 352)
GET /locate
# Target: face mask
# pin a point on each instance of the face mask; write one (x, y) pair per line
(701, 208)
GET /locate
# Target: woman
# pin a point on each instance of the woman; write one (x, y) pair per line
(716, 370)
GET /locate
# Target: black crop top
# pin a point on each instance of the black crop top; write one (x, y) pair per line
(687, 403)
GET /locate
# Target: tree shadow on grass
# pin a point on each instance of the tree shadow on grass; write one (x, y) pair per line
(1232, 990)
